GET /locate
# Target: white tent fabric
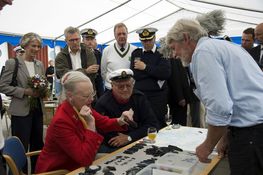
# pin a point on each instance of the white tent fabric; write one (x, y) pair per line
(49, 18)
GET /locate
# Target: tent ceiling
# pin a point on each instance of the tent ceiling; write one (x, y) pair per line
(49, 18)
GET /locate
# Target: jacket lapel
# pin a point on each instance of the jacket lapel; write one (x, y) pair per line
(23, 67)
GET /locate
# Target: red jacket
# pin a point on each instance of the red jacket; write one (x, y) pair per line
(68, 144)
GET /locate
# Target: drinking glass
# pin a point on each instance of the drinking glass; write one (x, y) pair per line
(137, 59)
(168, 120)
(151, 133)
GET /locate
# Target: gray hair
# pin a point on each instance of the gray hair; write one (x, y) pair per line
(119, 25)
(69, 81)
(182, 26)
(213, 22)
(27, 38)
(164, 49)
(71, 30)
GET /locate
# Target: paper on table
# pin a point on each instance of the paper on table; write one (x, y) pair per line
(184, 137)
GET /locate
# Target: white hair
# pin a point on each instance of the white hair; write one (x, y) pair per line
(185, 26)
(213, 22)
(69, 81)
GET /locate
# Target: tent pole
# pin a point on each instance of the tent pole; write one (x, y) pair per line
(228, 6)
(98, 16)
(251, 23)
(148, 24)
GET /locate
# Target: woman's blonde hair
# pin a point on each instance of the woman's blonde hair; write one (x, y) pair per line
(27, 38)
(69, 81)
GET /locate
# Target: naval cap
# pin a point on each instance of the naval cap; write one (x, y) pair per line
(146, 33)
(88, 32)
(120, 74)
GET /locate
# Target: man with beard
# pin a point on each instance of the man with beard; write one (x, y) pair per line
(234, 109)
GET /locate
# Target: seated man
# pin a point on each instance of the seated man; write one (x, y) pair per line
(72, 139)
(121, 98)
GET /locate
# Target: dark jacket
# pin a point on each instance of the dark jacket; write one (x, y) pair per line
(157, 68)
(143, 113)
(180, 85)
(98, 81)
(255, 53)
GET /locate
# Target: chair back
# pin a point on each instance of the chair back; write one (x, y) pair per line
(14, 154)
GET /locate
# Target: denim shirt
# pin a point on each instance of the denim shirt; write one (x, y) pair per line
(228, 82)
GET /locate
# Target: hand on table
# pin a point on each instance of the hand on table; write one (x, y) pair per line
(119, 140)
(202, 152)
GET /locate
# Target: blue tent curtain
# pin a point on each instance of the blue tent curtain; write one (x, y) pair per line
(14, 40)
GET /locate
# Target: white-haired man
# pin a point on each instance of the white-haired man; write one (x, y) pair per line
(234, 108)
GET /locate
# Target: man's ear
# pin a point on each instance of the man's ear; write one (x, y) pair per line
(186, 37)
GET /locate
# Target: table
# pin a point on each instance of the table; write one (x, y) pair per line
(186, 138)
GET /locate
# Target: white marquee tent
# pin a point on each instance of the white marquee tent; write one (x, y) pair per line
(49, 18)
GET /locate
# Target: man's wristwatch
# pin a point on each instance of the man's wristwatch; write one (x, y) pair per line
(129, 138)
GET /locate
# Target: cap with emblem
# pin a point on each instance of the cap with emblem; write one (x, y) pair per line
(146, 33)
(18, 49)
(88, 33)
(120, 74)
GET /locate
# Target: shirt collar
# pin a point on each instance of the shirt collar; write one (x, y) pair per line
(153, 49)
(69, 50)
(125, 46)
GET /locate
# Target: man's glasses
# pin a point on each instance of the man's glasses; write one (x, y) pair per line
(122, 86)
(74, 40)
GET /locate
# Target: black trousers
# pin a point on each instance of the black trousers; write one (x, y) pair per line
(179, 114)
(158, 101)
(29, 129)
(2, 168)
(246, 150)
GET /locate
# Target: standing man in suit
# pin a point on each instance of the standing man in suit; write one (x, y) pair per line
(248, 38)
(89, 38)
(151, 72)
(76, 56)
(257, 51)
(117, 55)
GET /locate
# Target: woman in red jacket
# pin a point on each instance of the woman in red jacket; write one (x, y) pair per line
(72, 140)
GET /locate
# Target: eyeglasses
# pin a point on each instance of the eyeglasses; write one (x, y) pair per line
(90, 96)
(74, 40)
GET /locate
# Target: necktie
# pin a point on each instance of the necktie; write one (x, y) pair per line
(122, 49)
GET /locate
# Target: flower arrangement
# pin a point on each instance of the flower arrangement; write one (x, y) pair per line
(39, 84)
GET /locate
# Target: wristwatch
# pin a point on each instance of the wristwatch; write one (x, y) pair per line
(129, 138)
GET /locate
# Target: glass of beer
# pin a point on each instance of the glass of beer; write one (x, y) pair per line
(151, 133)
